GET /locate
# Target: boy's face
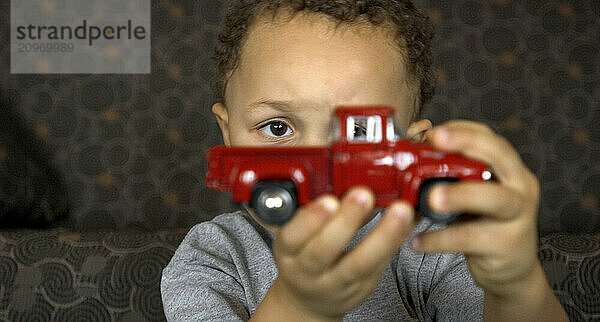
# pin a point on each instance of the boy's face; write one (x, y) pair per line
(293, 73)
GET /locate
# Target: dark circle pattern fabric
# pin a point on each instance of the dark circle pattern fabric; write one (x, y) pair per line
(149, 302)
(530, 71)
(96, 95)
(101, 282)
(527, 69)
(572, 266)
(580, 244)
(116, 241)
(57, 282)
(589, 273)
(38, 310)
(59, 275)
(8, 271)
(88, 310)
(113, 294)
(34, 248)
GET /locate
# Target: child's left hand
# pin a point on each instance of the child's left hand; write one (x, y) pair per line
(501, 243)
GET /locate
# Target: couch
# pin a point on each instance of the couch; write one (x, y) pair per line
(102, 175)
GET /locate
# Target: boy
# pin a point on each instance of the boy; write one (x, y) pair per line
(283, 68)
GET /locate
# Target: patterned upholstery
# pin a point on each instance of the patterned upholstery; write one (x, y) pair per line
(114, 276)
(59, 275)
(113, 165)
(572, 266)
(530, 70)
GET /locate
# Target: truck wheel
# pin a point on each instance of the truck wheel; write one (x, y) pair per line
(423, 207)
(274, 202)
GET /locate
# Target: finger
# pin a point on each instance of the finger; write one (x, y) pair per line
(376, 249)
(489, 199)
(330, 242)
(479, 142)
(471, 238)
(307, 221)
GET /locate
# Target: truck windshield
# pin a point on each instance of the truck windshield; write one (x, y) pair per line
(361, 129)
(394, 132)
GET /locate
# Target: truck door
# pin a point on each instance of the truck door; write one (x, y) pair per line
(365, 158)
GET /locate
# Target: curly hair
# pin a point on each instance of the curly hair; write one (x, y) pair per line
(412, 28)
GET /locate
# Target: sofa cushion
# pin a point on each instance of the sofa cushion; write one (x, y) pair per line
(116, 275)
(572, 266)
(100, 276)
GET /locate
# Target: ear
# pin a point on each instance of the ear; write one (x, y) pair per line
(222, 116)
(417, 130)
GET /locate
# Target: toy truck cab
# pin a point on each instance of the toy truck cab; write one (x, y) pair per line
(362, 151)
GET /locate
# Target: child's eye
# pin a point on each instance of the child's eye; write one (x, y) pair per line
(276, 129)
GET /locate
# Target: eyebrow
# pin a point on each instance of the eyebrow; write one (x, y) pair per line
(283, 106)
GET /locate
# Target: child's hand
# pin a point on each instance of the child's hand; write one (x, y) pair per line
(501, 244)
(317, 279)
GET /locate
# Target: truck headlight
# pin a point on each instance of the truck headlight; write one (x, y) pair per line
(486, 175)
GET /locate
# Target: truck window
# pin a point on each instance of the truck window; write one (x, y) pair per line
(363, 129)
(394, 131)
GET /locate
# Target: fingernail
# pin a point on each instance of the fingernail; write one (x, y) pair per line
(329, 203)
(360, 196)
(439, 197)
(399, 211)
(415, 243)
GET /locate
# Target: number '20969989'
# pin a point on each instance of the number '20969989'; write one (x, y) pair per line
(49, 47)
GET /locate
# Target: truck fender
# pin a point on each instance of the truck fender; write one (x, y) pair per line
(301, 178)
(449, 171)
(247, 178)
(414, 183)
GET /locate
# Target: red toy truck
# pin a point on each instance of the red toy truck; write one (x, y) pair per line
(366, 149)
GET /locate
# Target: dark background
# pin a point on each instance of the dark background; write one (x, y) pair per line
(128, 150)
(115, 163)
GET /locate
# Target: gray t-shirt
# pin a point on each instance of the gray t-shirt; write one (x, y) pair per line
(224, 267)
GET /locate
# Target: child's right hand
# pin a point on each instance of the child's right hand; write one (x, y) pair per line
(317, 279)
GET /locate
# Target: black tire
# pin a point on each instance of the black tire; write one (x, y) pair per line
(426, 211)
(285, 199)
